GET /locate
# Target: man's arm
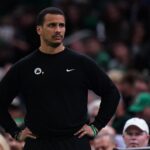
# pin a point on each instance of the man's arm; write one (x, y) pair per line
(8, 90)
(100, 83)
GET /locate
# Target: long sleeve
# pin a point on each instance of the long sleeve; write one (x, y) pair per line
(54, 93)
(100, 83)
(8, 91)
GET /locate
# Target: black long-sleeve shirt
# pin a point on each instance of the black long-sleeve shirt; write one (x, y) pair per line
(55, 88)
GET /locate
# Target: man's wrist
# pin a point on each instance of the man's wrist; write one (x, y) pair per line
(95, 130)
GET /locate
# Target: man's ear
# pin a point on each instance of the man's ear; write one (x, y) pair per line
(38, 30)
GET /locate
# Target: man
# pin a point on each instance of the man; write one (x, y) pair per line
(54, 82)
(141, 106)
(136, 133)
(104, 142)
(105, 139)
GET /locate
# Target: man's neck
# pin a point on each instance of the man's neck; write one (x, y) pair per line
(51, 50)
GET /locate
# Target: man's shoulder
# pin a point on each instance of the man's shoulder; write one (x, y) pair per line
(25, 60)
(78, 54)
(28, 57)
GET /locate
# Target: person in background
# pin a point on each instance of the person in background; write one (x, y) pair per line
(93, 108)
(54, 81)
(136, 133)
(10, 142)
(141, 106)
(119, 141)
(3, 143)
(104, 142)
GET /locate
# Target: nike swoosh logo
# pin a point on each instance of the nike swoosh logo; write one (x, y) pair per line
(69, 70)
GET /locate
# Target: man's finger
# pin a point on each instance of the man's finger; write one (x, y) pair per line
(80, 131)
(31, 136)
(82, 134)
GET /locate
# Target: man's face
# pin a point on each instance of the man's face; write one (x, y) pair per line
(103, 143)
(53, 30)
(135, 137)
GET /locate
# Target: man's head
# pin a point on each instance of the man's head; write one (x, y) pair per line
(48, 10)
(104, 142)
(141, 106)
(51, 26)
(141, 102)
(108, 130)
(136, 133)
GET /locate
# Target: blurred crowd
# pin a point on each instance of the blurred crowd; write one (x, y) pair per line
(114, 33)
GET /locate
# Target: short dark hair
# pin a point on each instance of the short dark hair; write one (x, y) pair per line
(48, 10)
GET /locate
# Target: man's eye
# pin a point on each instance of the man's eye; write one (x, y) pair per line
(140, 133)
(61, 24)
(129, 133)
(51, 25)
(136, 134)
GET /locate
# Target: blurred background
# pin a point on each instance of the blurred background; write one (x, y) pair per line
(114, 33)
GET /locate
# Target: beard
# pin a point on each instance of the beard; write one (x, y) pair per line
(53, 44)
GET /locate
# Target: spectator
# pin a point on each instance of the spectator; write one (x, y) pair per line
(136, 133)
(3, 143)
(141, 106)
(108, 130)
(104, 142)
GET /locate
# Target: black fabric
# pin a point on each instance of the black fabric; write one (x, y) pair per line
(55, 89)
(72, 143)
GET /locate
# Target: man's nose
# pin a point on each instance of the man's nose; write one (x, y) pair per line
(57, 29)
(133, 136)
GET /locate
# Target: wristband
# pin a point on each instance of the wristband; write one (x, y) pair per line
(95, 130)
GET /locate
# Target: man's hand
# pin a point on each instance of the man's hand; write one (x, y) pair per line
(26, 133)
(85, 130)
